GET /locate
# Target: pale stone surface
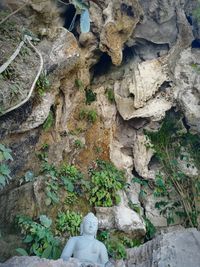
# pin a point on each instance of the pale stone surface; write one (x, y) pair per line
(120, 160)
(137, 96)
(39, 113)
(128, 221)
(105, 108)
(119, 25)
(121, 218)
(148, 76)
(187, 89)
(142, 156)
(26, 261)
(151, 212)
(178, 248)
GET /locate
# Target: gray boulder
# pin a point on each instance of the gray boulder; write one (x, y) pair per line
(180, 248)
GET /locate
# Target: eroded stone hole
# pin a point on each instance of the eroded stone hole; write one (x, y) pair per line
(68, 14)
(189, 19)
(103, 65)
(164, 86)
(196, 43)
(128, 54)
(127, 10)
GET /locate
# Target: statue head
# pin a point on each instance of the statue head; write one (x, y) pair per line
(89, 225)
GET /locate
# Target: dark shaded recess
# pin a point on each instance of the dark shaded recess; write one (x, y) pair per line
(127, 10)
(103, 65)
(164, 86)
(21, 151)
(67, 14)
(135, 174)
(128, 54)
(154, 161)
(187, 127)
(138, 123)
(196, 43)
(189, 19)
(12, 120)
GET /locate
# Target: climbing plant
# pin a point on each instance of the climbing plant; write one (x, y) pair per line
(173, 144)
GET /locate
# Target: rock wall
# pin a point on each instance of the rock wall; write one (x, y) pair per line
(141, 51)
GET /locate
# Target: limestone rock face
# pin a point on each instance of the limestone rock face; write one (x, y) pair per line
(187, 91)
(178, 248)
(121, 19)
(25, 261)
(136, 95)
(121, 218)
(143, 155)
(159, 23)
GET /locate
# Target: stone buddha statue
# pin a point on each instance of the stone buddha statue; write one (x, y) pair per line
(86, 247)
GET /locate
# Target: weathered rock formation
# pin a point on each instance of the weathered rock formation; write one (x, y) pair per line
(140, 52)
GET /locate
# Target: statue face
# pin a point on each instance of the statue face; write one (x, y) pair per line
(90, 227)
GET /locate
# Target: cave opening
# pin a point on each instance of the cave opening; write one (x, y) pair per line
(68, 15)
(195, 43)
(102, 66)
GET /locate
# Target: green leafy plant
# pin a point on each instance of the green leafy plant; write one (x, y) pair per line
(106, 180)
(5, 155)
(49, 121)
(110, 95)
(150, 229)
(90, 96)
(170, 143)
(42, 84)
(67, 177)
(68, 222)
(28, 177)
(78, 144)
(117, 243)
(89, 115)
(38, 237)
(79, 84)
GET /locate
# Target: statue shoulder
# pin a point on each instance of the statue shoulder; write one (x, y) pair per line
(100, 244)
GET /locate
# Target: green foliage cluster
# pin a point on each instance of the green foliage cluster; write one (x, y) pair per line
(68, 222)
(150, 229)
(67, 177)
(42, 84)
(5, 155)
(49, 121)
(110, 95)
(89, 115)
(196, 11)
(106, 180)
(117, 243)
(38, 237)
(172, 144)
(78, 143)
(90, 96)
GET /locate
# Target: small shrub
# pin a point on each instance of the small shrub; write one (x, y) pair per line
(92, 116)
(78, 144)
(110, 95)
(150, 229)
(90, 96)
(89, 115)
(42, 84)
(117, 243)
(49, 121)
(39, 237)
(106, 180)
(5, 155)
(68, 222)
